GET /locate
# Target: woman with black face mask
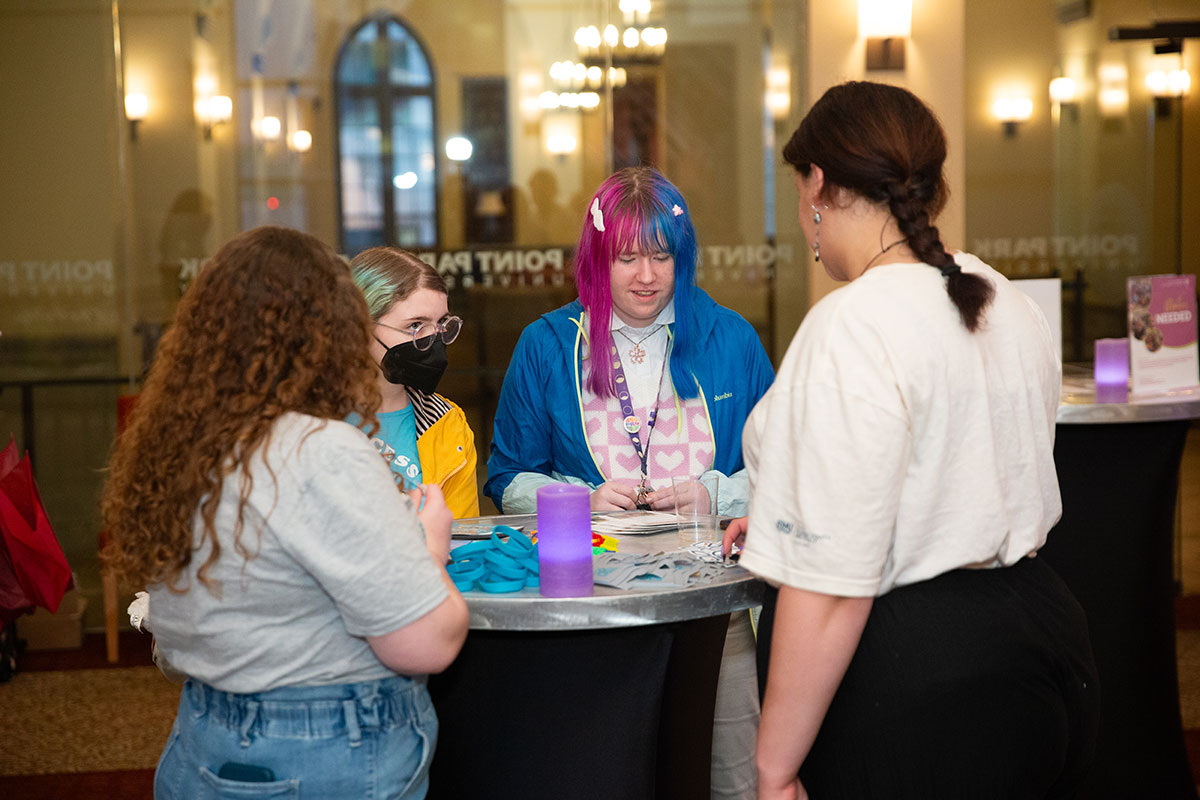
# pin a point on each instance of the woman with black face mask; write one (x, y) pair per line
(424, 437)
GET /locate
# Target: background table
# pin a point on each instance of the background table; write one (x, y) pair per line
(1118, 468)
(609, 696)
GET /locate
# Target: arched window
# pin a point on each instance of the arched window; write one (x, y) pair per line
(387, 168)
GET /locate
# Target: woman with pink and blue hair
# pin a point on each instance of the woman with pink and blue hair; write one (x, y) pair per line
(642, 379)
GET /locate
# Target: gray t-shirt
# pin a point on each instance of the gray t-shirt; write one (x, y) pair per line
(338, 554)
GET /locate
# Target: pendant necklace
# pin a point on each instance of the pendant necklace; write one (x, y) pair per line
(636, 353)
(884, 250)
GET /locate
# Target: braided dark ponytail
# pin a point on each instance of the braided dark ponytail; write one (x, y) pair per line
(883, 143)
(969, 293)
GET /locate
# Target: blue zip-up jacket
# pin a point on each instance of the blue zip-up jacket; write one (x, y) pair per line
(539, 421)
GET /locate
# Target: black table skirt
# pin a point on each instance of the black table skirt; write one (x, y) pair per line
(606, 714)
(1114, 549)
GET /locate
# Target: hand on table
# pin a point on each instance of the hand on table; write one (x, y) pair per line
(614, 496)
(436, 518)
(665, 499)
(735, 534)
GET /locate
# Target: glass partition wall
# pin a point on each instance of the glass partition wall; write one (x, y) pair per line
(472, 133)
(142, 134)
(1079, 151)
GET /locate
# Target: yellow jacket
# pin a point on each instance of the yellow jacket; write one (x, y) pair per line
(446, 448)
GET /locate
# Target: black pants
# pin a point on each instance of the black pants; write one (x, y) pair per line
(976, 683)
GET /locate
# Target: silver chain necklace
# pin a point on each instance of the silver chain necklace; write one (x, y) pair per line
(636, 353)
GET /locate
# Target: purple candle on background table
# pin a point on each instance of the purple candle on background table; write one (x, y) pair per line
(1112, 370)
(564, 532)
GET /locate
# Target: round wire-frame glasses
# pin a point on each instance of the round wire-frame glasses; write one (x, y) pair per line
(422, 338)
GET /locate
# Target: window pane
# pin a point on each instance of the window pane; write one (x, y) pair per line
(362, 178)
(413, 171)
(407, 65)
(358, 60)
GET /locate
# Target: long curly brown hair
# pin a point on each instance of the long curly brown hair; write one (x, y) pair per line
(273, 323)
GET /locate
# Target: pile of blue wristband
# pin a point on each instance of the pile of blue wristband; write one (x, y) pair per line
(495, 564)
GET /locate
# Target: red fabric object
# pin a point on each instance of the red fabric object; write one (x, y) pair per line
(33, 569)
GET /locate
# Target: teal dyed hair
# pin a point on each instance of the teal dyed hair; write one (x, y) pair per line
(387, 275)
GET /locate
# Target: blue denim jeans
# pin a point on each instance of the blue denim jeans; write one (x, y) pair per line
(352, 741)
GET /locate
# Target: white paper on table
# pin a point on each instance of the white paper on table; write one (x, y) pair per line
(1047, 293)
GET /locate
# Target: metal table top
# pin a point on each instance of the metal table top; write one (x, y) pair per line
(526, 610)
(1078, 405)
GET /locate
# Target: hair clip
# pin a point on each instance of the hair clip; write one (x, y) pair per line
(676, 210)
(597, 217)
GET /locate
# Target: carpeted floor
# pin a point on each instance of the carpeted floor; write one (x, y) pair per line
(77, 728)
(85, 720)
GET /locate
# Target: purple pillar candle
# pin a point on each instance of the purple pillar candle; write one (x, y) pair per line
(1112, 370)
(564, 532)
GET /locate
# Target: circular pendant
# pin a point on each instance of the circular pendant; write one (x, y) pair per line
(632, 424)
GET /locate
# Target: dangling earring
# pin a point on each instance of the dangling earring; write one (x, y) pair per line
(816, 245)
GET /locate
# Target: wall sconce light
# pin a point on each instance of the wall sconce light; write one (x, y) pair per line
(1168, 83)
(1063, 90)
(1012, 111)
(136, 107)
(1113, 95)
(561, 144)
(213, 111)
(300, 141)
(1167, 79)
(269, 128)
(885, 24)
(779, 95)
(459, 148)
(1064, 95)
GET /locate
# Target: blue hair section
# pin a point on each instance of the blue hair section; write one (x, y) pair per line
(637, 205)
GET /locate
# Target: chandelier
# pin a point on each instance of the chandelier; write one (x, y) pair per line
(635, 40)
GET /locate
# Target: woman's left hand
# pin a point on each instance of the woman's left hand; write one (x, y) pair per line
(735, 534)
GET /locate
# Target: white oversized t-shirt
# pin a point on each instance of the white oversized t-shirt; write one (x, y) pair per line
(896, 445)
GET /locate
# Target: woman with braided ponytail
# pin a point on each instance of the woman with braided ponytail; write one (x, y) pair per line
(902, 480)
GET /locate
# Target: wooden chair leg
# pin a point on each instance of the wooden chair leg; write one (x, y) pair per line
(111, 611)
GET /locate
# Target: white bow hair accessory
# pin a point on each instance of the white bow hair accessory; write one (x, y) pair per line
(676, 210)
(597, 217)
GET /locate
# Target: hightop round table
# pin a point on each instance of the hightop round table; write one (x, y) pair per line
(1118, 468)
(607, 697)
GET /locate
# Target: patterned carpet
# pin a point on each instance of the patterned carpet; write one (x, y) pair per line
(85, 720)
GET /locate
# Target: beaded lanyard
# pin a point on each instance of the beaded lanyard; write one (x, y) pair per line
(632, 424)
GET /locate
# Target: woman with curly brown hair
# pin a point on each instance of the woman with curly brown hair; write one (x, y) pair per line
(302, 594)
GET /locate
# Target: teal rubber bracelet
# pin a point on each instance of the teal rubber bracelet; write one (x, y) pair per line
(464, 585)
(531, 564)
(500, 586)
(470, 548)
(468, 570)
(518, 545)
(532, 582)
(495, 558)
(505, 569)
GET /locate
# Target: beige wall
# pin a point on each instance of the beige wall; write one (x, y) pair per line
(62, 249)
(934, 71)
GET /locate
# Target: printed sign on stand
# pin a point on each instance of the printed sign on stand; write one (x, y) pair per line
(1162, 333)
